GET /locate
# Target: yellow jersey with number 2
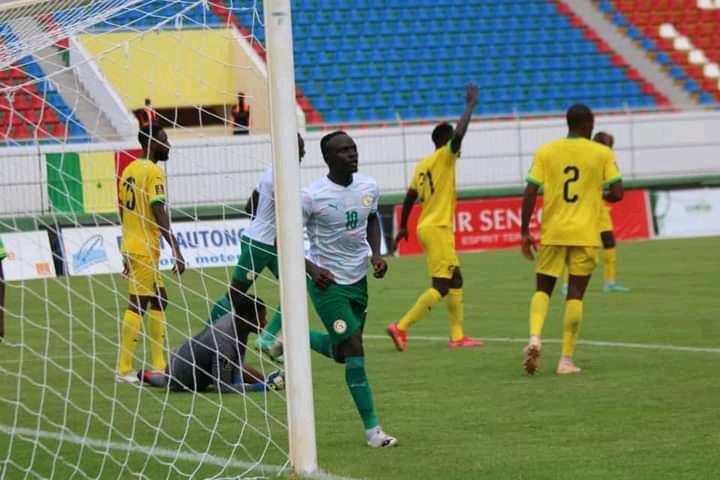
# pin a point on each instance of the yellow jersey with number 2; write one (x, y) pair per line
(572, 172)
(434, 180)
(142, 184)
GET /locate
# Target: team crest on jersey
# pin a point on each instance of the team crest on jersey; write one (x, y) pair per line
(366, 200)
(340, 326)
(160, 189)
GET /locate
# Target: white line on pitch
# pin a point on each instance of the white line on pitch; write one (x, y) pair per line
(131, 446)
(594, 343)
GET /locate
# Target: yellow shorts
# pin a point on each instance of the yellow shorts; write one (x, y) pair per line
(606, 224)
(438, 243)
(580, 261)
(144, 277)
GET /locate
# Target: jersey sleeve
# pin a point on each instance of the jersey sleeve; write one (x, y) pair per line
(611, 172)
(536, 175)
(307, 206)
(448, 155)
(156, 186)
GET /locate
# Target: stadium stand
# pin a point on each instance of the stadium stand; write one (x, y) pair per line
(32, 109)
(149, 14)
(647, 21)
(363, 61)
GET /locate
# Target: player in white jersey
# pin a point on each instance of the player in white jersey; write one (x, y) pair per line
(257, 251)
(340, 215)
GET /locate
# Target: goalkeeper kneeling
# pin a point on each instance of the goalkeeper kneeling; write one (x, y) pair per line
(215, 356)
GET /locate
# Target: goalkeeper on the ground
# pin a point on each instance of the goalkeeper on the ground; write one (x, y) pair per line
(215, 356)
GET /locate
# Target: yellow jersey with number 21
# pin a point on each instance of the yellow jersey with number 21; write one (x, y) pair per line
(434, 180)
(142, 184)
(572, 172)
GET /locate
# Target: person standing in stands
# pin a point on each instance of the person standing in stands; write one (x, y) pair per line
(147, 116)
(241, 116)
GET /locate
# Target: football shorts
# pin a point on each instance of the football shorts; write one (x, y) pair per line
(341, 308)
(254, 257)
(438, 243)
(580, 261)
(144, 277)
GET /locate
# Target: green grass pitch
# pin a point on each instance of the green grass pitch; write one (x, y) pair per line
(633, 413)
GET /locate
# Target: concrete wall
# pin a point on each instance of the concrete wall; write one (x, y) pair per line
(499, 153)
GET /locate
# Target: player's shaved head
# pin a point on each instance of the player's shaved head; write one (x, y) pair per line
(154, 142)
(442, 134)
(604, 138)
(580, 120)
(327, 140)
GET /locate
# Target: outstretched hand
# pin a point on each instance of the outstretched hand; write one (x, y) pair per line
(472, 94)
(401, 235)
(379, 266)
(179, 266)
(528, 246)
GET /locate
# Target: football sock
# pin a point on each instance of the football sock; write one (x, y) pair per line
(428, 299)
(357, 382)
(128, 340)
(272, 329)
(320, 342)
(456, 309)
(156, 330)
(538, 311)
(571, 326)
(219, 308)
(609, 265)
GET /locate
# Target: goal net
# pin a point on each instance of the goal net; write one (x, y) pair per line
(77, 78)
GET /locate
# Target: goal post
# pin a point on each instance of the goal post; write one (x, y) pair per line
(286, 168)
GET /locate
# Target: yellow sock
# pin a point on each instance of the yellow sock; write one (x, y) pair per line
(428, 299)
(456, 309)
(156, 330)
(571, 326)
(609, 264)
(128, 340)
(538, 311)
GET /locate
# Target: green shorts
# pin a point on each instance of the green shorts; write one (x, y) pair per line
(342, 308)
(254, 257)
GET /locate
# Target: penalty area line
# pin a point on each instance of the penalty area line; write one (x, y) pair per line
(593, 343)
(29, 434)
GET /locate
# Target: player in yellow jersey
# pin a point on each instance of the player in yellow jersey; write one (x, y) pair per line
(144, 219)
(434, 185)
(573, 172)
(607, 236)
(3, 254)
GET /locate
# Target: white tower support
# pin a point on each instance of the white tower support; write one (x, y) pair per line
(286, 168)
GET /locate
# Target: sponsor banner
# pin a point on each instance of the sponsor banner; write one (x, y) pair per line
(29, 256)
(687, 213)
(487, 224)
(93, 250)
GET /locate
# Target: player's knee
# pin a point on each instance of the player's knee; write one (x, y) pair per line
(457, 279)
(351, 347)
(608, 239)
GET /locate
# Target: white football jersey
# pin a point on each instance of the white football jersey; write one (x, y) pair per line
(335, 218)
(262, 227)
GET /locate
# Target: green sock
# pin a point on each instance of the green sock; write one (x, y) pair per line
(320, 342)
(220, 308)
(272, 329)
(357, 382)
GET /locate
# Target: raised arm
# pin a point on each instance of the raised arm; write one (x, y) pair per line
(462, 125)
(528, 205)
(163, 221)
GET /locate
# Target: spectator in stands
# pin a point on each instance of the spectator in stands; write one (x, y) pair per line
(241, 116)
(147, 116)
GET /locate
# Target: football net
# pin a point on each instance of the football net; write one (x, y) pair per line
(74, 76)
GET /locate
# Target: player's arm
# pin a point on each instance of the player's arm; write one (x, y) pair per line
(464, 122)
(373, 235)
(615, 192)
(252, 203)
(163, 222)
(528, 206)
(2, 301)
(410, 199)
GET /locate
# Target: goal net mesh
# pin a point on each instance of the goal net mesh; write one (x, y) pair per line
(74, 77)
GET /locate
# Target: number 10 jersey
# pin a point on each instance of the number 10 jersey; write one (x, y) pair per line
(142, 184)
